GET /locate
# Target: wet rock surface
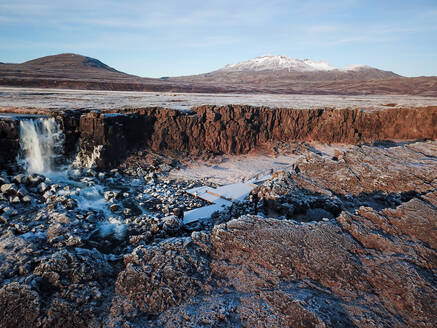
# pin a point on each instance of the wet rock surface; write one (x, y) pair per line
(9, 141)
(337, 241)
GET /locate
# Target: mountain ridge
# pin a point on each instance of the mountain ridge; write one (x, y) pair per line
(72, 71)
(272, 68)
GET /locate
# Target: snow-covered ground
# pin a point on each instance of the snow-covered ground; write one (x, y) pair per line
(219, 198)
(230, 169)
(58, 99)
(236, 176)
(217, 204)
(233, 169)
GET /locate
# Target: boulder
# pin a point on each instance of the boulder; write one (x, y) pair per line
(114, 207)
(20, 179)
(42, 187)
(9, 189)
(19, 306)
(178, 212)
(171, 223)
(110, 195)
(157, 278)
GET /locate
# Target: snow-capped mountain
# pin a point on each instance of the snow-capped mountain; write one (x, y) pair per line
(279, 63)
(282, 74)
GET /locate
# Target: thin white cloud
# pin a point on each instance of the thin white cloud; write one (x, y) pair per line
(135, 14)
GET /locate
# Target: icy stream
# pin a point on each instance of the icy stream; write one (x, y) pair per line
(112, 198)
(41, 152)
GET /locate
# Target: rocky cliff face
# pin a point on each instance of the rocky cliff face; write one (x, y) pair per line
(9, 141)
(228, 129)
(240, 129)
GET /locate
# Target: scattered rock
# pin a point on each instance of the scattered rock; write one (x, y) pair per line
(178, 212)
(9, 189)
(20, 179)
(171, 224)
(19, 306)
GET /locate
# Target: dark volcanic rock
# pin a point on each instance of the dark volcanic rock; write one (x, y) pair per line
(9, 141)
(157, 278)
(271, 273)
(19, 306)
(241, 129)
(73, 284)
(374, 286)
(355, 245)
(366, 267)
(105, 139)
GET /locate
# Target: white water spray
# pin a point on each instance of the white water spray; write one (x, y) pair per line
(83, 159)
(41, 142)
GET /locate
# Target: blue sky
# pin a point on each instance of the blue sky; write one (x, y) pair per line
(168, 38)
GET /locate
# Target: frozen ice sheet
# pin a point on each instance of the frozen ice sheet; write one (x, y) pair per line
(220, 198)
(202, 212)
(235, 191)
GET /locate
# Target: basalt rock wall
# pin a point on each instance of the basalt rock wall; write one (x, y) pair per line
(70, 124)
(116, 134)
(9, 142)
(227, 129)
(240, 129)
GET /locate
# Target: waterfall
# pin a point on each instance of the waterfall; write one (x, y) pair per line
(41, 143)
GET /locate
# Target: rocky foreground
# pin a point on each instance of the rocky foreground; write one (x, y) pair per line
(341, 241)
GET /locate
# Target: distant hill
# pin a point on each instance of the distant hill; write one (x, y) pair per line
(72, 71)
(265, 74)
(63, 66)
(67, 62)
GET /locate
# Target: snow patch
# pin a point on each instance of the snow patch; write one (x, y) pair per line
(276, 63)
(220, 198)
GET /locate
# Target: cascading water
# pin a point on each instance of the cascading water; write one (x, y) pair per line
(41, 142)
(41, 151)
